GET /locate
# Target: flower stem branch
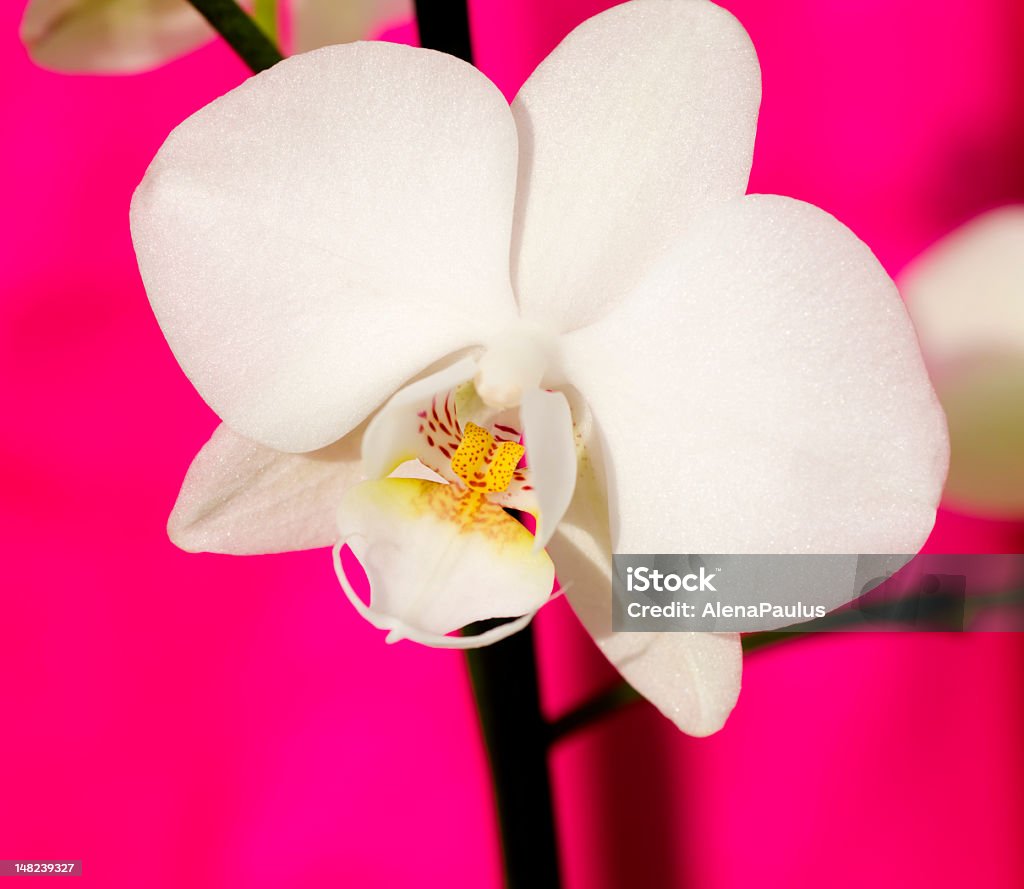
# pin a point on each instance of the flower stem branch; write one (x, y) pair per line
(603, 704)
(504, 677)
(936, 612)
(264, 13)
(240, 32)
(444, 25)
(622, 694)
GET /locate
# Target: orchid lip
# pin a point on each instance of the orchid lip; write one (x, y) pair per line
(442, 553)
(397, 629)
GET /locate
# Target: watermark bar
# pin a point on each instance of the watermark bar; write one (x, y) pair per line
(813, 593)
(14, 867)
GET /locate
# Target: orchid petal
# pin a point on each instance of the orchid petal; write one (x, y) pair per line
(641, 117)
(785, 406)
(242, 498)
(304, 260)
(317, 23)
(966, 296)
(110, 36)
(434, 567)
(551, 450)
(397, 432)
(692, 678)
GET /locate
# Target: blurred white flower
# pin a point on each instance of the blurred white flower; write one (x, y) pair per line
(966, 296)
(130, 36)
(693, 370)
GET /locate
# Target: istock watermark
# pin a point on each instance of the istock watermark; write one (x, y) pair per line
(642, 579)
(817, 593)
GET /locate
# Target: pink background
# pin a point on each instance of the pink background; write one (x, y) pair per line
(223, 722)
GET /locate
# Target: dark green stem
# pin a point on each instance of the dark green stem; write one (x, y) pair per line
(622, 694)
(603, 704)
(504, 677)
(444, 25)
(264, 13)
(240, 32)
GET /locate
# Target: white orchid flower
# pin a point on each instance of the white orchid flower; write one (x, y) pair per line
(692, 369)
(966, 296)
(130, 36)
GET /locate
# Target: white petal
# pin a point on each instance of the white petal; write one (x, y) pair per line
(692, 678)
(110, 36)
(317, 23)
(966, 296)
(763, 392)
(394, 434)
(241, 498)
(430, 571)
(641, 117)
(551, 452)
(320, 234)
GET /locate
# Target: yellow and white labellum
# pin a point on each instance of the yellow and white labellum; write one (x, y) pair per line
(440, 555)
